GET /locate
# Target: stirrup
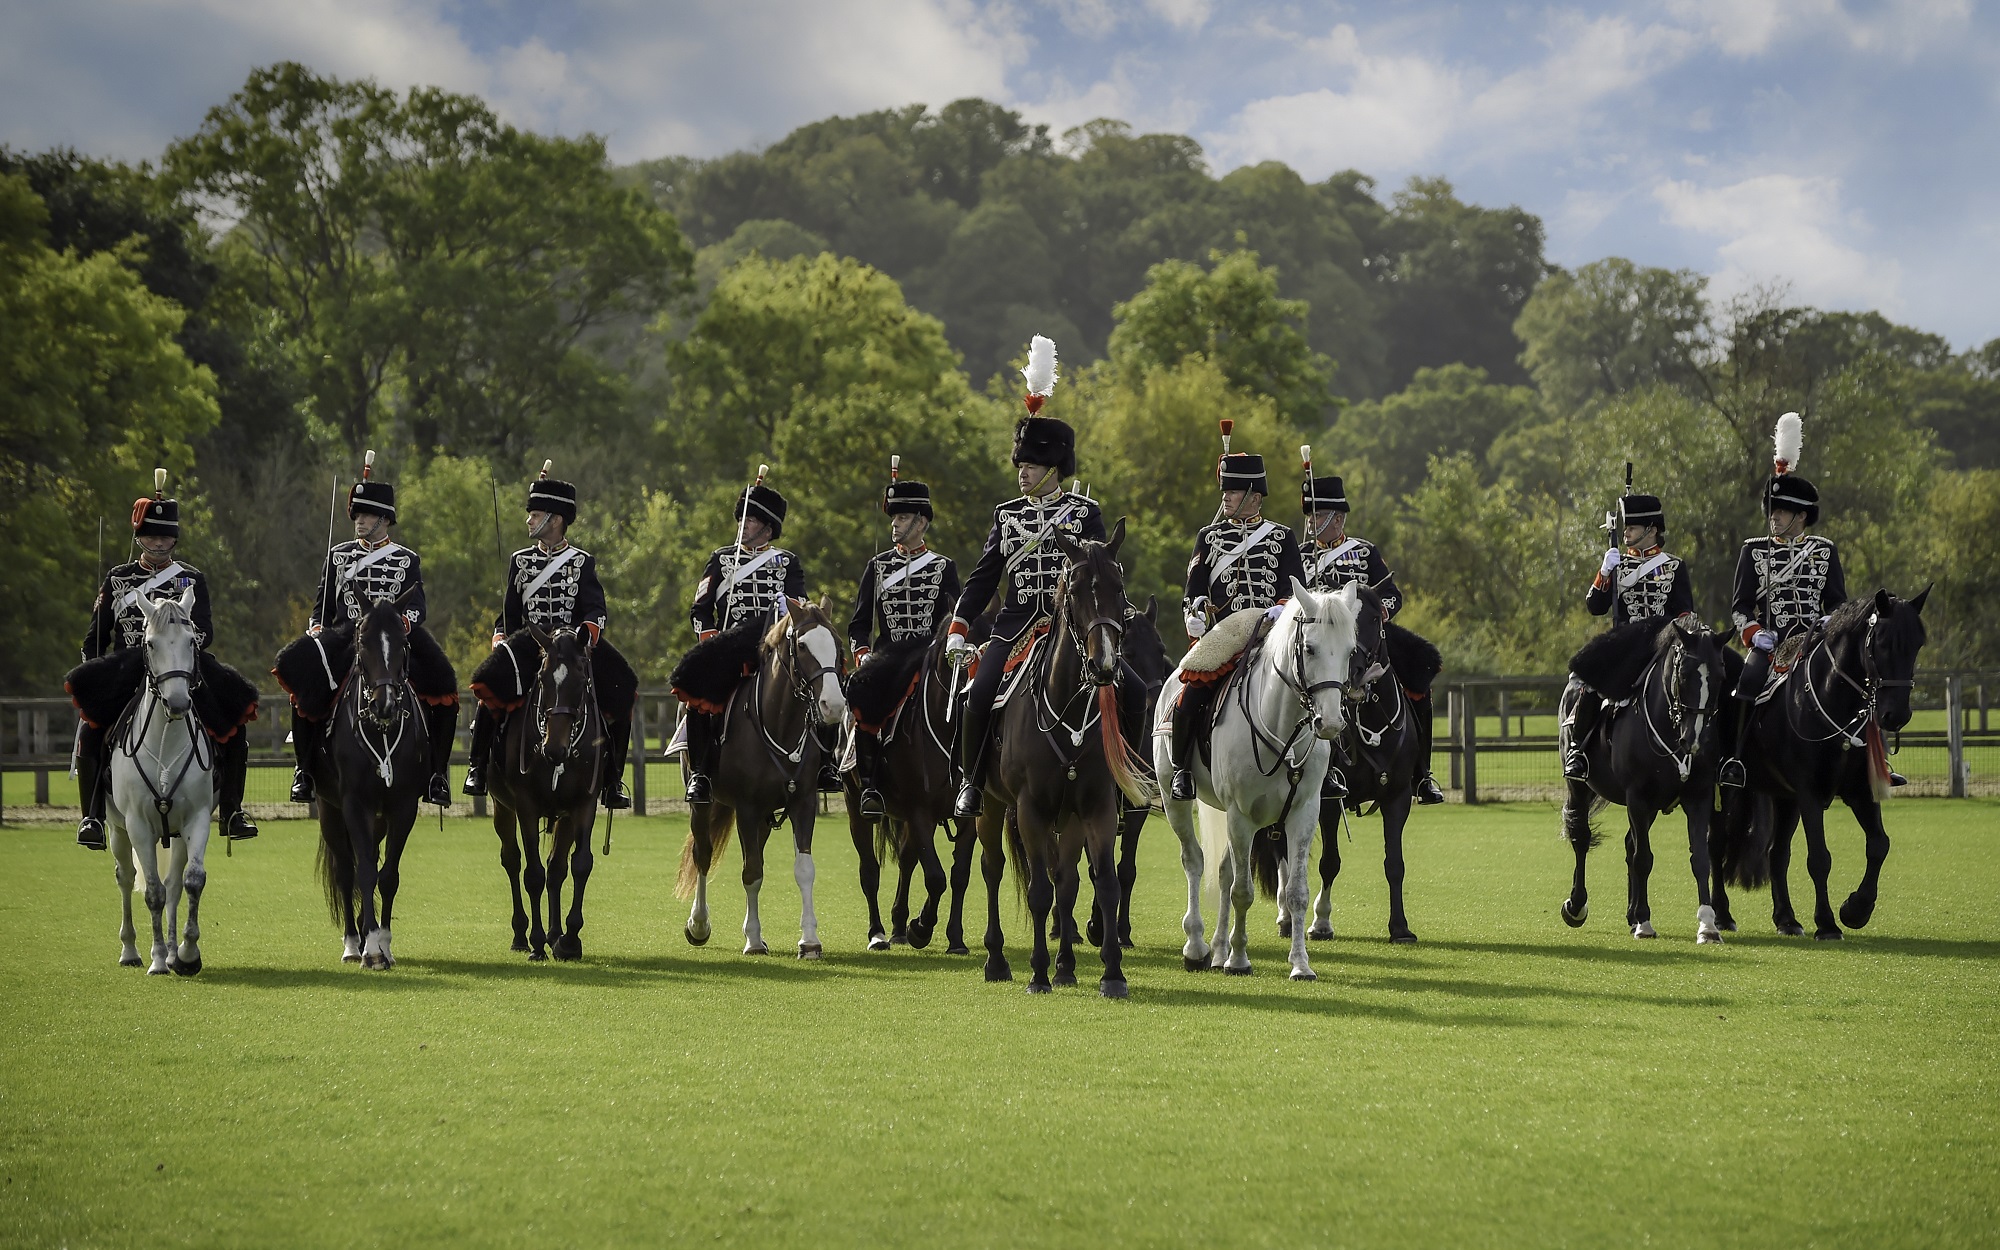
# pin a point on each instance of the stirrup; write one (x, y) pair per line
(302, 786)
(1181, 787)
(1731, 774)
(1429, 792)
(1897, 779)
(967, 805)
(439, 794)
(239, 827)
(613, 797)
(90, 833)
(1576, 766)
(829, 780)
(698, 789)
(1335, 785)
(475, 781)
(871, 802)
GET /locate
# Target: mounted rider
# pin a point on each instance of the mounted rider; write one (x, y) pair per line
(742, 590)
(1241, 561)
(904, 592)
(1021, 549)
(1637, 581)
(1787, 581)
(368, 569)
(1333, 559)
(552, 584)
(118, 628)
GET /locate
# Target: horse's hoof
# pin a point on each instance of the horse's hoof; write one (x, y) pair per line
(758, 949)
(1856, 912)
(900, 937)
(1828, 935)
(536, 957)
(1304, 974)
(958, 948)
(185, 968)
(810, 950)
(131, 962)
(350, 957)
(693, 940)
(1644, 929)
(1708, 937)
(1575, 919)
(1125, 941)
(920, 936)
(1284, 927)
(520, 943)
(998, 971)
(1790, 928)
(1320, 933)
(1113, 989)
(1405, 938)
(157, 972)
(1194, 965)
(1093, 930)
(876, 942)
(569, 952)
(1064, 979)
(1038, 987)
(1228, 971)
(1726, 923)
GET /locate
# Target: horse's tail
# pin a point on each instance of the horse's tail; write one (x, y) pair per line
(1578, 828)
(721, 823)
(1127, 769)
(1740, 841)
(1017, 851)
(1264, 859)
(885, 840)
(336, 875)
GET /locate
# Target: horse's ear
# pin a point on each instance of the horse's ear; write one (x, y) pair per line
(1117, 536)
(1153, 608)
(1883, 602)
(1299, 591)
(1067, 545)
(187, 599)
(1918, 602)
(825, 604)
(540, 635)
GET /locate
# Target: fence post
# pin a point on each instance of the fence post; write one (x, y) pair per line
(1453, 700)
(1468, 719)
(1954, 706)
(638, 757)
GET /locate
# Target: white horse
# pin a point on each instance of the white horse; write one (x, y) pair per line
(1271, 746)
(162, 762)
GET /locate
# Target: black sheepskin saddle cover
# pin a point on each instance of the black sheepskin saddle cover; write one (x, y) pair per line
(1613, 662)
(707, 675)
(501, 681)
(884, 680)
(314, 682)
(224, 699)
(1416, 661)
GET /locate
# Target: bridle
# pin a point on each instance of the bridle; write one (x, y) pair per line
(1870, 688)
(389, 701)
(1048, 717)
(1303, 693)
(580, 712)
(135, 735)
(1681, 715)
(803, 679)
(1378, 667)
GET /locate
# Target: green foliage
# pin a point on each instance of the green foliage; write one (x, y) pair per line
(1443, 412)
(1612, 327)
(1961, 528)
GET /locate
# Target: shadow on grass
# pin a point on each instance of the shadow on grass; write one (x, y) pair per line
(1862, 941)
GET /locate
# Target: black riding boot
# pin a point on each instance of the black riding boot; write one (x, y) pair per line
(618, 745)
(829, 759)
(1582, 723)
(975, 722)
(232, 765)
(1190, 712)
(867, 770)
(485, 723)
(93, 779)
(441, 722)
(1423, 708)
(305, 750)
(1756, 668)
(699, 758)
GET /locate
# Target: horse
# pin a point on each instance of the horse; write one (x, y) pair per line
(1382, 744)
(375, 768)
(546, 775)
(765, 770)
(1657, 747)
(1061, 766)
(1817, 738)
(1270, 748)
(162, 775)
(917, 780)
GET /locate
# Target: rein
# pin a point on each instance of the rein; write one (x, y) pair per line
(134, 738)
(1671, 682)
(1872, 683)
(802, 692)
(583, 712)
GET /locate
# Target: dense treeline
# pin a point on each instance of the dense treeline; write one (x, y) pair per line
(326, 266)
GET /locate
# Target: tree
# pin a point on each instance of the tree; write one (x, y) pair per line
(1613, 327)
(1442, 412)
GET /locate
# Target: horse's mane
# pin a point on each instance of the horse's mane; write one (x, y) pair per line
(379, 618)
(1852, 617)
(774, 637)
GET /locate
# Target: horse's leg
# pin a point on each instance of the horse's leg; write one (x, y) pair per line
(390, 877)
(701, 848)
(1131, 824)
(1329, 868)
(1639, 867)
(804, 814)
(192, 867)
(906, 866)
(1784, 823)
(1819, 863)
(504, 825)
(964, 840)
(1699, 817)
(176, 866)
(1039, 844)
(861, 830)
(1281, 904)
(1860, 905)
(1396, 815)
(360, 824)
(923, 837)
(557, 874)
(1067, 879)
(1225, 900)
(536, 876)
(146, 850)
(1240, 894)
(1581, 836)
(1180, 818)
(124, 871)
(1296, 888)
(582, 860)
(993, 866)
(1102, 847)
(752, 834)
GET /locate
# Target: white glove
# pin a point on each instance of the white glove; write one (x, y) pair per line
(1274, 611)
(1763, 640)
(956, 649)
(1196, 626)
(1610, 564)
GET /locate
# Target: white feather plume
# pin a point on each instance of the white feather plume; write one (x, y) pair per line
(1788, 441)
(1041, 368)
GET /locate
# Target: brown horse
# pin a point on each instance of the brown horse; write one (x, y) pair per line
(1062, 764)
(766, 763)
(545, 776)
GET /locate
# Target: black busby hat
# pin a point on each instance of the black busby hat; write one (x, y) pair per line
(1643, 510)
(159, 514)
(1789, 490)
(1045, 440)
(905, 496)
(1323, 494)
(547, 494)
(766, 504)
(376, 497)
(1242, 470)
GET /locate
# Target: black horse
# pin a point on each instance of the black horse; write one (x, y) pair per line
(1656, 748)
(375, 768)
(1383, 745)
(1818, 738)
(546, 775)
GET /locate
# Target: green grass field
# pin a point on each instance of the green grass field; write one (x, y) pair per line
(1507, 1082)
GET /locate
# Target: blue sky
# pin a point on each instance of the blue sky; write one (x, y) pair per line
(1849, 150)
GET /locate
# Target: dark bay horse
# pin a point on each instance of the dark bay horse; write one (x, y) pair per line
(766, 764)
(1818, 738)
(1652, 754)
(370, 777)
(1062, 764)
(1146, 669)
(1382, 743)
(545, 775)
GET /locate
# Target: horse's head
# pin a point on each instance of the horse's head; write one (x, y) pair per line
(1894, 635)
(1695, 680)
(170, 650)
(1145, 652)
(1313, 647)
(562, 694)
(381, 663)
(1371, 644)
(1090, 601)
(814, 656)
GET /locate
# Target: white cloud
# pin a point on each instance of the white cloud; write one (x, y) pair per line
(1185, 15)
(1588, 62)
(1783, 228)
(1748, 28)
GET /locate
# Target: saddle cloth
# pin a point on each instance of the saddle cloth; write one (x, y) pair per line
(1784, 659)
(1017, 663)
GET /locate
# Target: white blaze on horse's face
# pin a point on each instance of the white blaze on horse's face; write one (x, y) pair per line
(818, 642)
(170, 649)
(1326, 623)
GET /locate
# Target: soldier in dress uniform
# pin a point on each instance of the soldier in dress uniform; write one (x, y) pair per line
(1787, 581)
(904, 592)
(117, 623)
(1240, 561)
(1637, 581)
(552, 584)
(745, 583)
(368, 569)
(1020, 549)
(1333, 560)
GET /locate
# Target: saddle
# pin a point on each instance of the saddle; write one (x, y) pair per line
(1784, 658)
(1017, 662)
